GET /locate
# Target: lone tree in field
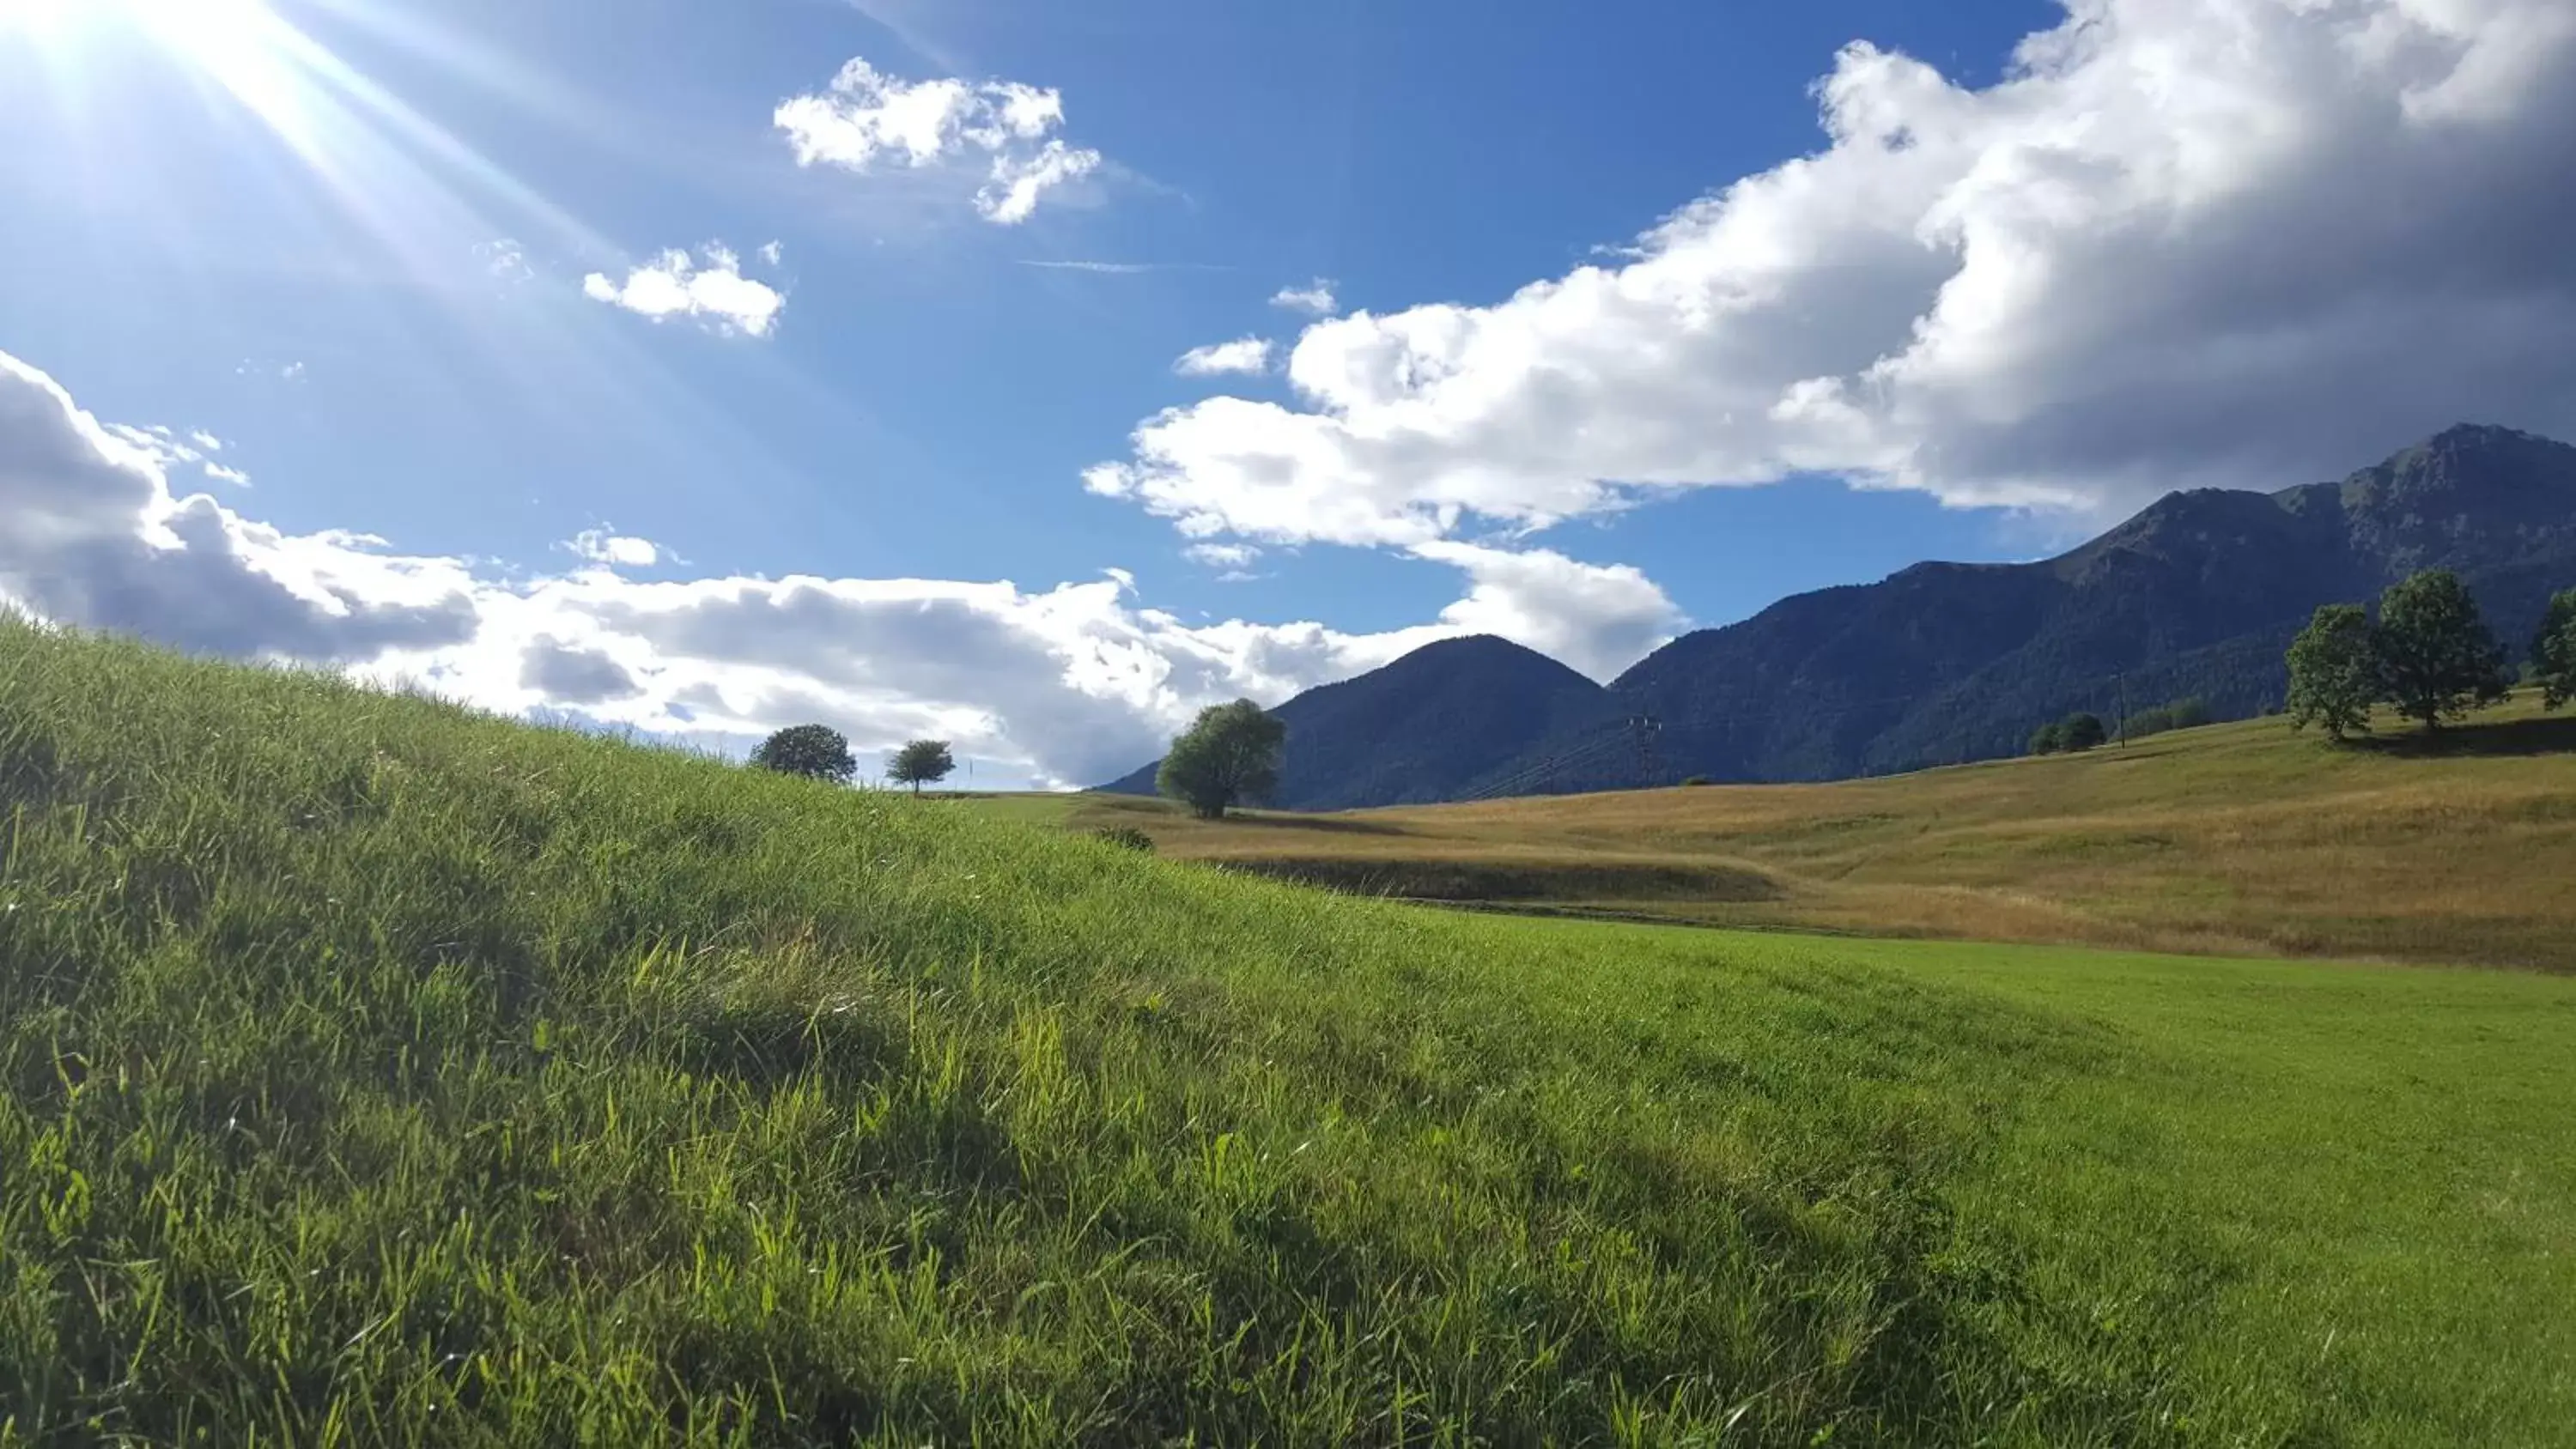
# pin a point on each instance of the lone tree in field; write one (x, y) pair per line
(922, 762)
(814, 751)
(2080, 732)
(2333, 676)
(1229, 757)
(2048, 739)
(2436, 658)
(2553, 652)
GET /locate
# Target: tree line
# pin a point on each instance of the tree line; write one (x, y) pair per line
(2429, 655)
(2084, 730)
(1228, 757)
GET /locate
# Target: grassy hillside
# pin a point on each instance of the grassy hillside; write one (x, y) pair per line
(2241, 838)
(375, 1073)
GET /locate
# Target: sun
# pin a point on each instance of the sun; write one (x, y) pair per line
(219, 34)
(240, 46)
(37, 17)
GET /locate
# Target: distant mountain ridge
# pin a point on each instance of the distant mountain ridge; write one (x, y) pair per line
(2198, 594)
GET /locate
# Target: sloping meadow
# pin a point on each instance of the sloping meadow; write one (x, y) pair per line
(375, 1072)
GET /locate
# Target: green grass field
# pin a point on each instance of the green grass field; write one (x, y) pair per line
(2233, 840)
(372, 1072)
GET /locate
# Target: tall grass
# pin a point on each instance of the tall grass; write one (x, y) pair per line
(373, 1072)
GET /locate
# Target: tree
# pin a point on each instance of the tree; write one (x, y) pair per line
(2048, 739)
(922, 762)
(2436, 659)
(1229, 757)
(2333, 675)
(2553, 652)
(814, 751)
(2079, 732)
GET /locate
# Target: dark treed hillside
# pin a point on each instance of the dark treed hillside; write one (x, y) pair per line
(2196, 596)
(1433, 725)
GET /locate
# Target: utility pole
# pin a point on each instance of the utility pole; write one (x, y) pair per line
(2123, 676)
(1649, 731)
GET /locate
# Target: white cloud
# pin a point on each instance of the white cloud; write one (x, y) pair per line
(1599, 619)
(91, 534)
(676, 285)
(2185, 242)
(608, 547)
(1244, 354)
(1222, 555)
(169, 449)
(773, 252)
(1071, 684)
(1011, 196)
(506, 259)
(868, 118)
(1315, 299)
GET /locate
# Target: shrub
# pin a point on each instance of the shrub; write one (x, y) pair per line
(1695, 781)
(2048, 739)
(1125, 835)
(2182, 714)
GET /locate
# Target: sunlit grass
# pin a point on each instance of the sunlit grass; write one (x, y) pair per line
(375, 1072)
(2242, 838)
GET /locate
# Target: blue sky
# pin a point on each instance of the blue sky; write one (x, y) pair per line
(382, 251)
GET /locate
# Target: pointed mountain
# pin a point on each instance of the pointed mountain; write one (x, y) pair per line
(1433, 725)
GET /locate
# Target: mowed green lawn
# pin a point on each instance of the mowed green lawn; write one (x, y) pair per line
(371, 1072)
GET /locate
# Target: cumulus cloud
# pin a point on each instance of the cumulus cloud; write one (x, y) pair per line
(1599, 619)
(2183, 242)
(1071, 684)
(869, 119)
(570, 676)
(1244, 354)
(92, 535)
(1315, 299)
(713, 290)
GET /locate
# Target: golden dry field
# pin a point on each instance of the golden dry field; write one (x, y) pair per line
(2237, 838)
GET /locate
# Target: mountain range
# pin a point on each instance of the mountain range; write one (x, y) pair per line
(2199, 595)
